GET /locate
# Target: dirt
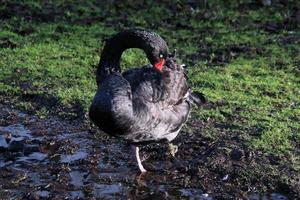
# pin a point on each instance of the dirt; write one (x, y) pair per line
(54, 159)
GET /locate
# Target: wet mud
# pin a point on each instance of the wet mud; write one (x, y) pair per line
(55, 159)
(50, 159)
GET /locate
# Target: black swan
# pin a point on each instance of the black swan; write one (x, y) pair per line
(141, 105)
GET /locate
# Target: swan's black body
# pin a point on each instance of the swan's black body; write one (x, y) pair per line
(142, 104)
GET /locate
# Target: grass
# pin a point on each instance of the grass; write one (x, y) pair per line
(234, 55)
(265, 97)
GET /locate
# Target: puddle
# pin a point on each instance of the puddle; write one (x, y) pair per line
(36, 156)
(43, 194)
(273, 196)
(18, 131)
(194, 193)
(76, 194)
(3, 142)
(76, 178)
(71, 158)
(50, 159)
(104, 190)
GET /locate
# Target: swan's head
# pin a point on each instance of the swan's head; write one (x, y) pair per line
(158, 55)
(168, 60)
(160, 63)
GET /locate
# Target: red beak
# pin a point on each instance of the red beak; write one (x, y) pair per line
(160, 64)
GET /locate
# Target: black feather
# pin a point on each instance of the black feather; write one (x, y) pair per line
(197, 98)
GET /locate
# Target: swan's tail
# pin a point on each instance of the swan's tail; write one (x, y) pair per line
(197, 98)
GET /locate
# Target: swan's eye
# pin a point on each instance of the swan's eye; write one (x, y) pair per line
(161, 56)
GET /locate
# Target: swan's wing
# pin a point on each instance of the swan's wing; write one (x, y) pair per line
(160, 102)
(146, 84)
(167, 88)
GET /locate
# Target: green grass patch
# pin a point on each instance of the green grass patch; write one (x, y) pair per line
(257, 79)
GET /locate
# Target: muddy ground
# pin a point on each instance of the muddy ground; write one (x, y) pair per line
(55, 159)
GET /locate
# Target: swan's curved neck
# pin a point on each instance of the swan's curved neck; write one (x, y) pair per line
(113, 49)
(111, 54)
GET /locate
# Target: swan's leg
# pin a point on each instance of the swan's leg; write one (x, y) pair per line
(137, 155)
(172, 149)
